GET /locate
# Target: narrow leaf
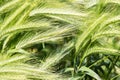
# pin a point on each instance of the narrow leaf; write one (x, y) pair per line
(90, 72)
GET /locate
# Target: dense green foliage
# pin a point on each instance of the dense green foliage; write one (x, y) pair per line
(59, 39)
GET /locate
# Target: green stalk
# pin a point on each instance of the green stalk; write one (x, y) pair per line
(104, 58)
(84, 55)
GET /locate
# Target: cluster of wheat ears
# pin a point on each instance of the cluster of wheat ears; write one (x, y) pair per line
(59, 39)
